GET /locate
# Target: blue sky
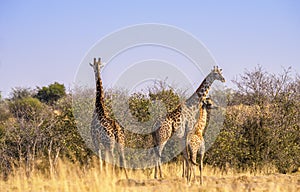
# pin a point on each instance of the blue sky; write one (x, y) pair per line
(44, 41)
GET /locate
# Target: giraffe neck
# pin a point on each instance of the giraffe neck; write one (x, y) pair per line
(203, 89)
(99, 103)
(201, 120)
(201, 92)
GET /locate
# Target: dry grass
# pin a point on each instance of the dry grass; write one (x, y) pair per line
(70, 177)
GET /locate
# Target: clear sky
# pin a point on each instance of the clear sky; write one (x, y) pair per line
(44, 41)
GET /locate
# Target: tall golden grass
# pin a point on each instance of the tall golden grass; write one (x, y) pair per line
(69, 177)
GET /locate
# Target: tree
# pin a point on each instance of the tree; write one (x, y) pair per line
(66, 136)
(26, 108)
(25, 134)
(168, 97)
(20, 93)
(139, 107)
(51, 94)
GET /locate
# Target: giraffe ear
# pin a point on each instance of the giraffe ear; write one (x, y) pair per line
(91, 65)
(102, 65)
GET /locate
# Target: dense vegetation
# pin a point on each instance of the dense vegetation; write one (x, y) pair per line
(261, 126)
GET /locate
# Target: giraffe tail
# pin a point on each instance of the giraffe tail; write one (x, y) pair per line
(191, 156)
(194, 163)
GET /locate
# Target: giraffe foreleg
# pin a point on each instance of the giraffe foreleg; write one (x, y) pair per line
(186, 170)
(184, 162)
(158, 168)
(202, 152)
(186, 142)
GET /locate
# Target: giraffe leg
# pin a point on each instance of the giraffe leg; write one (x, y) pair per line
(183, 167)
(202, 151)
(201, 169)
(123, 162)
(109, 159)
(156, 163)
(186, 152)
(106, 161)
(193, 158)
(158, 151)
(184, 164)
(100, 160)
(158, 168)
(155, 170)
(187, 148)
(194, 172)
(112, 160)
(192, 161)
(190, 170)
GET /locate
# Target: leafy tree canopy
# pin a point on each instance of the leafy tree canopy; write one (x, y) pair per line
(51, 94)
(26, 108)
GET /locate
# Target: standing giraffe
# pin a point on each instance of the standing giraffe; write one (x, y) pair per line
(106, 132)
(181, 121)
(196, 144)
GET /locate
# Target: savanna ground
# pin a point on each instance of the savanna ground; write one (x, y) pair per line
(70, 177)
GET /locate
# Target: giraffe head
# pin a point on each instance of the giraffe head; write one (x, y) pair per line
(97, 65)
(216, 74)
(209, 104)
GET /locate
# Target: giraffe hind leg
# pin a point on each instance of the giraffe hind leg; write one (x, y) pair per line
(158, 152)
(183, 167)
(109, 159)
(100, 160)
(184, 163)
(187, 153)
(123, 163)
(157, 166)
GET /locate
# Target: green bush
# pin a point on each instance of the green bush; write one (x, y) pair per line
(51, 94)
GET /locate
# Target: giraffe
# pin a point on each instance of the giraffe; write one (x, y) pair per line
(181, 121)
(196, 144)
(106, 133)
